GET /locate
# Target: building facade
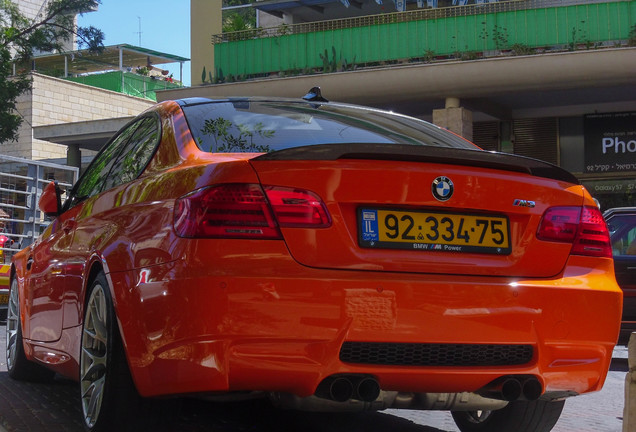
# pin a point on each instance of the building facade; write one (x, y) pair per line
(79, 99)
(55, 101)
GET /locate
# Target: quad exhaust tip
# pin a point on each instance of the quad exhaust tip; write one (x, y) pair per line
(341, 388)
(512, 388)
(365, 388)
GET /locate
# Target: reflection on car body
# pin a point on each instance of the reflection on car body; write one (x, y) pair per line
(326, 256)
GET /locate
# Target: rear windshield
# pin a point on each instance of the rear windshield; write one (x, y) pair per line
(265, 126)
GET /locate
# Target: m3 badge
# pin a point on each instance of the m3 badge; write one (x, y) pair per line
(523, 203)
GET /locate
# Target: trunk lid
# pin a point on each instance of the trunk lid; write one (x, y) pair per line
(486, 227)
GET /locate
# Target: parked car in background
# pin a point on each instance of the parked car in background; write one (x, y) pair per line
(326, 256)
(622, 226)
(4, 291)
(5, 242)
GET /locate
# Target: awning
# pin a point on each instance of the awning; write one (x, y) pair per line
(114, 57)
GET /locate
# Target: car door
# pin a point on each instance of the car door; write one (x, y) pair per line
(99, 223)
(46, 280)
(54, 264)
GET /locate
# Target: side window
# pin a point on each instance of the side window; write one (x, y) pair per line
(92, 180)
(623, 233)
(629, 241)
(136, 154)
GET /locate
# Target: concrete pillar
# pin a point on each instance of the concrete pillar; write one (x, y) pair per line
(205, 21)
(629, 411)
(455, 118)
(452, 102)
(74, 156)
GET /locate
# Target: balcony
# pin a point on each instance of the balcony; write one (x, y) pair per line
(123, 68)
(128, 83)
(510, 28)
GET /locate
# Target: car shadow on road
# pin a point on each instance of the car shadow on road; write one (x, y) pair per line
(36, 407)
(260, 416)
(619, 365)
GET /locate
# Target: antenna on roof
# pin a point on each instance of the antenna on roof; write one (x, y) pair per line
(139, 32)
(314, 95)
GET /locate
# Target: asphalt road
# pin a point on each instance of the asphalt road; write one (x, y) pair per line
(55, 407)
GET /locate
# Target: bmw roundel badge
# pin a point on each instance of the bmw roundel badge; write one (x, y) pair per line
(442, 188)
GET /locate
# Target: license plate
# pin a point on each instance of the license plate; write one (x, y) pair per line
(433, 231)
(4, 299)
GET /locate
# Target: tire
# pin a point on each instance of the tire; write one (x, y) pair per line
(108, 396)
(517, 416)
(18, 366)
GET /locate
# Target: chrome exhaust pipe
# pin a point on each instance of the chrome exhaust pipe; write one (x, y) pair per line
(342, 388)
(504, 388)
(335, 388)
(532, 389)
(367, 390)
(511, 389)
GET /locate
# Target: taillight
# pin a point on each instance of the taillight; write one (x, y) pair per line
(246, 211)
(584, 227)
(297, 208)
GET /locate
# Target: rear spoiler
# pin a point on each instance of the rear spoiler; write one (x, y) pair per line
(431, 154)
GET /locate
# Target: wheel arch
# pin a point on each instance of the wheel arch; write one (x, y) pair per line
(98, 265)
(21, 278)
(94, 268)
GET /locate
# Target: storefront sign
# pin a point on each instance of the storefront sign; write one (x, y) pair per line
(610, 142)
(611, 186)
(612, 192)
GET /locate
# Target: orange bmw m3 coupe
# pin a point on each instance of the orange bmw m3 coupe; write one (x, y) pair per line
(326, 256)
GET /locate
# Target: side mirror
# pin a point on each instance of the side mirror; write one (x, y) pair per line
(51, 200)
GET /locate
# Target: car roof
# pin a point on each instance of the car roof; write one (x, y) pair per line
(618, 210)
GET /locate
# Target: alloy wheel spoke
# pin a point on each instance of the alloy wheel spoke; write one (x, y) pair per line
(94, 365)
(13, 319)
(92, 399)
(94, 355)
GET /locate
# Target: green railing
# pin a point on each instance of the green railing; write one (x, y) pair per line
(126, 82)
(461, 32)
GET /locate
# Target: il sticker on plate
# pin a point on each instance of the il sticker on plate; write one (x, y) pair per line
(369, 225)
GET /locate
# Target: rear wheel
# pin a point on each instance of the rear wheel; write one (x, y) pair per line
(18, 366)
(517, 416)
(108, 395)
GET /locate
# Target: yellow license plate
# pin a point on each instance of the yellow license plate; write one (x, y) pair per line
(4, 298)
(433, 231)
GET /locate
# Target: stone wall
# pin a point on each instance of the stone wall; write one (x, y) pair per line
(55, 101)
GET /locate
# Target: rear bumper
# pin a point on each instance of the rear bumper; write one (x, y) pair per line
(277, 326)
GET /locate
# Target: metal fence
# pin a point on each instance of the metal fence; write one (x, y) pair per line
(128, 83)
(462, 32)
(399, 17)
(21, 185)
